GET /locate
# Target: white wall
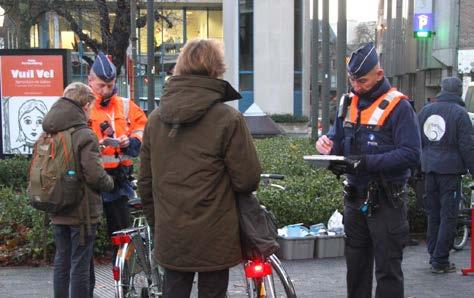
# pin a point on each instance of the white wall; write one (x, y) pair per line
(230, 11)
(274, 55)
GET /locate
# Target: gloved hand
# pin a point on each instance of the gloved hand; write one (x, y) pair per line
(357, 164)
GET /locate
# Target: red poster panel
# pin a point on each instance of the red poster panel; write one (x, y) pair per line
(32, 75)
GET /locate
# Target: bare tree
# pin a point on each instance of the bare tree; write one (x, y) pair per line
(114, 34)
(364, 33)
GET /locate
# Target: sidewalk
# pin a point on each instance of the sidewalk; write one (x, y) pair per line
(312, 278)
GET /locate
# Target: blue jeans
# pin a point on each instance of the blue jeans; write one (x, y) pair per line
(73, 264)
(442, 207)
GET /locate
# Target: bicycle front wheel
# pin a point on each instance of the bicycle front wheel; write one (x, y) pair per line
(462, 229)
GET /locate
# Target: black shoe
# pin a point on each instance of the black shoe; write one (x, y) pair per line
(412, 242)
(446, 269)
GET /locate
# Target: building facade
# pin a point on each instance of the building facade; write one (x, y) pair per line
(267, 45)
(417, 65)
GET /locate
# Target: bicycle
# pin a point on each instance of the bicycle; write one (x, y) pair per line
(464, 220)
(135, 273)
(260, 272)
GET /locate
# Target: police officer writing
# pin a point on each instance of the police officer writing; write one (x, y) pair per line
(447, 153)
(118, 124)
(376, 127)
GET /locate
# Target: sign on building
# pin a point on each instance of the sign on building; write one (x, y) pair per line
(423, 18)
(31, 81)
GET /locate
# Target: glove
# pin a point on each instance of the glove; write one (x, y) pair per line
(357, 164)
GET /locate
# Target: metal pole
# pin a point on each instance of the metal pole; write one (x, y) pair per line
(341, 46)
(315, 71)
(150, 24)
(326, 79)
(389, 42)
(133, 40)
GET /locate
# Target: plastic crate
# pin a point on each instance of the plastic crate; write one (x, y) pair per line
(296, 248)
(329, 246)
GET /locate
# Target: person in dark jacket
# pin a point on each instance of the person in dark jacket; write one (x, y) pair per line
(448, 152)
(197, 153)
(73, 267)
(377, 128)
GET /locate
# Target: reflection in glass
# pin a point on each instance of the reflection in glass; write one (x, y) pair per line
(196, 21)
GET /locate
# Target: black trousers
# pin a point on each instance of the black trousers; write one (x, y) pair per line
(443, 193)
(380, 238)
(118, 217)
(211, 284)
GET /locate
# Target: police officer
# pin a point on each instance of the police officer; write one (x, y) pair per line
(118, 123)
(447, 153)
(377, 127)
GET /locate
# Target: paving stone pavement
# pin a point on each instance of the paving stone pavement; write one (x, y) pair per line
(312, 278)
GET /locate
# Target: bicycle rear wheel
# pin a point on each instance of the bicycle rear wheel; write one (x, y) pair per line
(133, 280)
(462, 229)
(278, 284)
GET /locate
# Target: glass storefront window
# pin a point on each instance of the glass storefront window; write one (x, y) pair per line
(215, 25)
(196, 21)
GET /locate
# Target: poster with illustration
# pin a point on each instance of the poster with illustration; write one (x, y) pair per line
(31, 81)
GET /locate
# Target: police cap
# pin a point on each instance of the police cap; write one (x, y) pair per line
(362, 60)
(104, 68)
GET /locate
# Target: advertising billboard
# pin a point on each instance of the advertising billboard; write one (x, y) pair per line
(31, 81)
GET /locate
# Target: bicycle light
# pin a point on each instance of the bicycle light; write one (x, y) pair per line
(120, 239)
(116, 273)
(257, 269)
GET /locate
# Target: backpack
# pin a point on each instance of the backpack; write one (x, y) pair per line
(258, 229)
(54, 184)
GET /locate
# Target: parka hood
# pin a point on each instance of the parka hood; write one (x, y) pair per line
(64, 114)
(187, 98)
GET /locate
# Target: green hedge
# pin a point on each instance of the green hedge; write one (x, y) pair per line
(288, 118)
(311, 195)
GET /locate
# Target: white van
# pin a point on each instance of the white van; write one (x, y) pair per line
(469, 100)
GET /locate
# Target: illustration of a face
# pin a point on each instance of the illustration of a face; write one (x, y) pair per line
(31, 124)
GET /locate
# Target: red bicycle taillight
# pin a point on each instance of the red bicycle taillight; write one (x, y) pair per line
(116, 273)
(121, 239)
(257, 269)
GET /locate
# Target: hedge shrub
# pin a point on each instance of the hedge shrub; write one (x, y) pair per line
(288, 118)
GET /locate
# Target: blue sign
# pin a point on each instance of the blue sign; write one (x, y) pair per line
(423, 22)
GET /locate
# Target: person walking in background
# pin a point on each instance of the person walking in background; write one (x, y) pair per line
(118, 123)
(377, 128)
(75, 230)
(448, 152)
(196, 153)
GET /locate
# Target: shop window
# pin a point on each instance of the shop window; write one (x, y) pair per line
(196, 21)
(215, 25)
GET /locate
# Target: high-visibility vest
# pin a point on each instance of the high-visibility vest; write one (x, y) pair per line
(377, 113)
(125, 118)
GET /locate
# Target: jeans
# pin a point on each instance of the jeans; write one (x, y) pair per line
(73, 264)
(211, 284)
(443, 193)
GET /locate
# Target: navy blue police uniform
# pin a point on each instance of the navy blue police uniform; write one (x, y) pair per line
(447, 153)
(380, 129)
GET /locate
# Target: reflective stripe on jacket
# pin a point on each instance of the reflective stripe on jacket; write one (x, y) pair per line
(125, 118)
(378, 112)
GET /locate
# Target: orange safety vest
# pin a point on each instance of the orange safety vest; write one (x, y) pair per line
(377, 113)
(125, 118)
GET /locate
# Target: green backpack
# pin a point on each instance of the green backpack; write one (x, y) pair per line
(54, 185)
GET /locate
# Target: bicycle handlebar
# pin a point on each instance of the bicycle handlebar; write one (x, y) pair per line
(272, 176)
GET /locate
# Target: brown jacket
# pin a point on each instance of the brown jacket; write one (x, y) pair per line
(66, 113)
(196, 152)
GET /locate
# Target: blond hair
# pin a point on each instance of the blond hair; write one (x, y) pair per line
(79, 92)
(201, 57)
